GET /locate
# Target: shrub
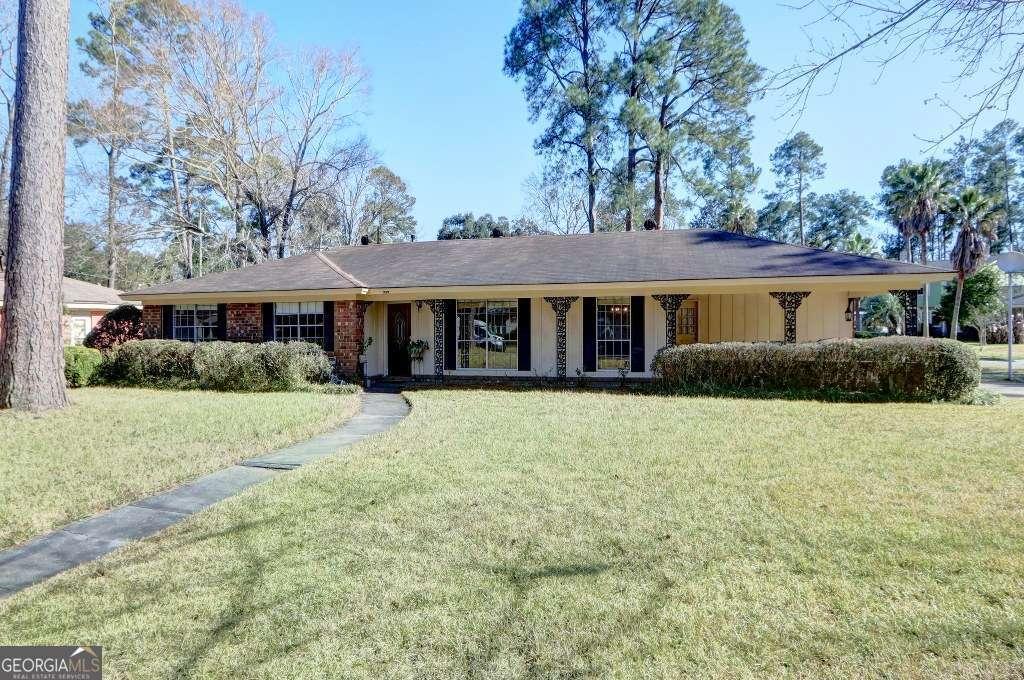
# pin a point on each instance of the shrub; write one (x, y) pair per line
(915, 369)
(998, 334)
(80, 365)
(117, 327)
(223, 366)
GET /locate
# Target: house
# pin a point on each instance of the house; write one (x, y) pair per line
(84, 305)
(541, 306)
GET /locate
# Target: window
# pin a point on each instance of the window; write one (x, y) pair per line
(487, 334)
(299, 321)
(195, 323)
(612, 333)
(77, 328)
(686, 324)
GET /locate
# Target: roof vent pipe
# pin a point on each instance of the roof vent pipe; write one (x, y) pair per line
(496, 233)
(364, 240)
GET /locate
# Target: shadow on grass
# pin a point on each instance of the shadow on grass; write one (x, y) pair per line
(644, 388)
(512, 632)
(521, 581)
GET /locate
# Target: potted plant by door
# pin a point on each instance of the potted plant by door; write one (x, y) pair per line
(417, 348)
(363, 346)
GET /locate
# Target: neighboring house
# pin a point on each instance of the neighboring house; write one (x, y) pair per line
(533, 306)
(84, 305)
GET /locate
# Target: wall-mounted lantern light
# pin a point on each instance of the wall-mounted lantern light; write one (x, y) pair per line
(851, 304)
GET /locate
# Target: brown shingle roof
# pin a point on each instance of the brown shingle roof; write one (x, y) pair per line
(301, 272)
(77, 292)
(682, 255)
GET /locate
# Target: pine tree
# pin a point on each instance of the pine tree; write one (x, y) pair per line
(797, 163)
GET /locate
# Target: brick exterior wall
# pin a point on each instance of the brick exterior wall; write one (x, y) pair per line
(348, 335)
(152, 322)
(245, 322)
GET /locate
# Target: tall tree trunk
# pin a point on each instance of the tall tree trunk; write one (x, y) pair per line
(591, 191)
(800, 203)
(5, 176)
(659, 189)
(112, 236)
(954, 323)
(630, 177)
(590, 116)
(32, 356)
(924, 248)
(1009, 206)
(181, 214)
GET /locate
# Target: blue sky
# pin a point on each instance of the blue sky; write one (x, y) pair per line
(443, 115)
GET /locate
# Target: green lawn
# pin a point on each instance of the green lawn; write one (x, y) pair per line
(999, 372)
(1000, 352)
(115, 445)
(538, 534)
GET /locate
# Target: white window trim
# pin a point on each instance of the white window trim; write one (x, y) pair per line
(487, 369)
(598, 341)
(323, 331)
(195, 308)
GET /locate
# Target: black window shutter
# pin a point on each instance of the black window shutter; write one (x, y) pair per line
(636, 334)
(449, 335)
(168, 322)
(589, 334)
(329, 326)
(268, 321)
(523, 337)
(222, 322)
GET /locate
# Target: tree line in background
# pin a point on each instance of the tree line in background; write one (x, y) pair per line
(200, 143)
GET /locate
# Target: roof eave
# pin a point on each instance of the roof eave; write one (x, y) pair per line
(163, 298)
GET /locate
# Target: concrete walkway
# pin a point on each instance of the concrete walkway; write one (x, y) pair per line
(1012, 390)
(91, 538)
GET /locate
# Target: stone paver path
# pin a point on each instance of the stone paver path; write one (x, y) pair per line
(91, 538)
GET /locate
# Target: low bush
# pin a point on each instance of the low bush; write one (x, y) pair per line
(999, 335)
(223, 366)
(80, 365)
(117, 327)
(911, 369)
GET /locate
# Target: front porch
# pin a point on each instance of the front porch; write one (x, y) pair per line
(595, 332)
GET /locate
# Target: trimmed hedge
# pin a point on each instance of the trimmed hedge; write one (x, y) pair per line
(80, 365)
(911, 369)
(118, 326)
(222, 366)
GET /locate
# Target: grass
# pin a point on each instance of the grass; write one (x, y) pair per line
(1000, 373)
(999, 352)
(544, 534)
(116, 445)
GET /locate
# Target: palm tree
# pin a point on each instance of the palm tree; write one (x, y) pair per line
(927, 193)
(915, 195)
(896, 201)
(882, 311)
(859, 244)
(975, 216)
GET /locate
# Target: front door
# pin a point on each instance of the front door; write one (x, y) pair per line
(686, 323)
(399, 329)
